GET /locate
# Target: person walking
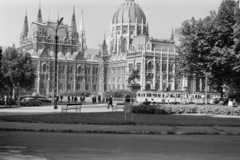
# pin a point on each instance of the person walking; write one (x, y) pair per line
(110, 102)
(75, 99)
(69, 99)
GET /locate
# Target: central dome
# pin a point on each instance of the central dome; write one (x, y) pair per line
(129, 12)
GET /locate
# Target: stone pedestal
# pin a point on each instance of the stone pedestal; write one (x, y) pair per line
(134, 87)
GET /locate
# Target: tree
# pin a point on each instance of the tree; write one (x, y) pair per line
(206, 46)
(17, 69)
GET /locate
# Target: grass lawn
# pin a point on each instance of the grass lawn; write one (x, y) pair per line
(117, 118)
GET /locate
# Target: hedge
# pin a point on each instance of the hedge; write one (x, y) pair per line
(160, 109)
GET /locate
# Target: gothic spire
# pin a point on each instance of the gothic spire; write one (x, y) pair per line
(81, 23)
(73, 29)
(172, 36)
(82, 36)
(25, 26)
(39, 18)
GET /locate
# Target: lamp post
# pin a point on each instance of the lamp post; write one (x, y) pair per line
(18, 98)
(56, 29)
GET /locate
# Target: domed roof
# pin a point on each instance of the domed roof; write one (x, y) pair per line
(129, 12)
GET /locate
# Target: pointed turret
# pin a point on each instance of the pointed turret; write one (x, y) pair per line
(39, 18)
(172, 36)
(73, 29)
(82, 37)
(25, 27)
(103, 49)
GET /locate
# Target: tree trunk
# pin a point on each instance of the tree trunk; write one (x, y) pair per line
(10, 97)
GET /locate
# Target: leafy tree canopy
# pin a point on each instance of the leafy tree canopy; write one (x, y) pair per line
(17, 69)
(210, 46)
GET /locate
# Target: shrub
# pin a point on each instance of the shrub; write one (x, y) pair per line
(158, 109)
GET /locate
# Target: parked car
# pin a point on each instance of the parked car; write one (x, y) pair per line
(44, 100)
(30, 102)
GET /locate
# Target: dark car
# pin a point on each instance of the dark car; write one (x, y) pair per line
(43, 100)
(30, 102)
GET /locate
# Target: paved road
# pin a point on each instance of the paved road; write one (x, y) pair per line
(61, 146)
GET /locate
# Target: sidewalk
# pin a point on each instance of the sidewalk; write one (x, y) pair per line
(118, 129)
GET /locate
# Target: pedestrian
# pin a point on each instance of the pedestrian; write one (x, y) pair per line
(61, 97)
(230, 103)
(72, 98)
(235, 103)
(81, 99)
(92, 99)
(99, 99)
(107, 100)
(152, 101)
(110, 102)
(75, 99)
(132, 100)
(163, 101)
(69, 99)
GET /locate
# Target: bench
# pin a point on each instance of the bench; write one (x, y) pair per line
(116, 107)
(72, 106)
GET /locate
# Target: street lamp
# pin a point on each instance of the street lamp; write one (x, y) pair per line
(56, 29)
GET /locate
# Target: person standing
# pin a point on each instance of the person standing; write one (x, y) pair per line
(234, 103)
(110, 102)
(230, 103)
(61, 96)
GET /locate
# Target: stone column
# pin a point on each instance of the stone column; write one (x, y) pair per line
(194, 84)
(143, 72)
(161, 72)
(65, 74)
(48, 80)
(154, 71)
(74, 76)
(168, 68)
(200, 83)
(38, 77)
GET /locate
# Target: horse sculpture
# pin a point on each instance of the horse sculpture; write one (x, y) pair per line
(133, 76)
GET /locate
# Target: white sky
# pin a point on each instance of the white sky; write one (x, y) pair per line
(162, 15)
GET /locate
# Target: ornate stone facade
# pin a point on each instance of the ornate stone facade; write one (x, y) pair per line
(129, 47)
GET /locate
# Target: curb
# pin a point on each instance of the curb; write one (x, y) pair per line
(121, 132)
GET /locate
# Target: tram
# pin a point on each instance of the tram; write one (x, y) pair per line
(175, 97)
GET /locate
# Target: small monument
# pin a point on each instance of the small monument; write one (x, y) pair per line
(132, 85)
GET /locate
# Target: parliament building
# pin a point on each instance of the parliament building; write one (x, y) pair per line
(128, 47)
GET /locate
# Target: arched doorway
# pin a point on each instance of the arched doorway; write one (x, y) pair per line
(148, 87)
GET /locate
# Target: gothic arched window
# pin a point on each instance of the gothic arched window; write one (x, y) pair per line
(124, 45)
(130, 67)
(139, 66)
(79, 69)
(44, 68)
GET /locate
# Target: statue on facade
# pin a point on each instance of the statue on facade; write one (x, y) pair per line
(133, 76)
